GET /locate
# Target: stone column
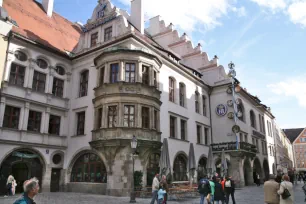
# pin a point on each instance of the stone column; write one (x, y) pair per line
(236, 171)
(106, 72)
(50, 81)
(151, 76)
(139, 72)
(121, 71)
(120, 115)
(46, 120)
(104, 116)
(26, 116)
(139, 118)
(46, 179)
(30, 74)
(66, 91)
(2, 110)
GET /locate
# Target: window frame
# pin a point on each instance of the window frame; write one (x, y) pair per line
(81, 120)
(182, 91)
(197, 102)
(58, 90)
(94, 39)
(17, 75)
(172, 89)
(35, 121)
(114, 73)
(172, 126)
(37, 82)
(183, 129)
(100, 115)
(54, 128)
(102, 75)
(108, 33)
(83, 86)
(9, 117)
(129, 117)
(204, 105)
(129, 71)
(145, 118)
(206, 136)
(145, 75)
(18, 56)
(41, 60)
(114, 116)
(199, 133)
(253, 119)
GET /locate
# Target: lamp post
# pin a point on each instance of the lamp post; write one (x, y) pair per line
(232, 74)
(133, 147)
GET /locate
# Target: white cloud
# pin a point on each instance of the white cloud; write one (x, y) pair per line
(188, 14)
(274, 5)
(297, 12)
(240, 11)
(239, 51)
(292, 87)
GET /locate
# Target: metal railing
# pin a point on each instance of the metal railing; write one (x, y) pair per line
(231, 146)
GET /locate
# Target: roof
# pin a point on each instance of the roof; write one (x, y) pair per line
(55, 32)
(292, 134)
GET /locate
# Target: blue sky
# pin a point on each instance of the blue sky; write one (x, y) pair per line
(266, 39)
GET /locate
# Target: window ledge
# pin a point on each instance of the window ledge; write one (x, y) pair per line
(179, 139)
(203, 145)
(78, 135)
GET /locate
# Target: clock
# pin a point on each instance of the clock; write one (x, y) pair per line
(229, 103)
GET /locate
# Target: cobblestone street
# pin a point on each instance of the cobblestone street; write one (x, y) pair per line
(250, 195)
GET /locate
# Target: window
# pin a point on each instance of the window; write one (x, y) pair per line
(130, 73)
(171, 89)
(93, 39)
(199, 131)
(197, 107)
(60, 70)
(182, 94)
(172, 126)
(112, 116)
(269, 131)
(99, 122)
(54, 125)
(129, 116)
(42, 63)
(180, 168)
(39, 81)
(241, 137)
(17, 74)
(260, 124)
(155, 78)
(11, 117)
(102, 76)
(155, 119)
(145, 75)
(246, 138)
(84, 83)
(183, 129)
(206, 136)
(21, 56)
(263, 124)
(240, 109)
(34, 121)
(145, 117)
(81, 123)
(252, 119)
(58, 87)
(204, 105)
(108, 34)
(89, 168)
(114, 72)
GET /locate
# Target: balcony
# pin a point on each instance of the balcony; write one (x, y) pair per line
(230, 147)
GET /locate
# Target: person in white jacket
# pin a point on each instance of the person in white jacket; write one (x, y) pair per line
(155, 188)
(286, 184)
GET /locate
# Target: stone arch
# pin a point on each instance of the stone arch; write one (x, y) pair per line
(22, 167)
(257, 169)
(266, 169)
(44, 58)
(152, 167)
(179, 167)
(247, 172)
(202, 163)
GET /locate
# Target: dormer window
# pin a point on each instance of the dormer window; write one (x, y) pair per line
(93, 39)
(108, 34)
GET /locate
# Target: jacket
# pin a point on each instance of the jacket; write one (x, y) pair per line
(270, 190)
(161, 194)
(229, 189)
(24, 200)
(283, 186)
(219, 193)
(155, 184)
(204, 183)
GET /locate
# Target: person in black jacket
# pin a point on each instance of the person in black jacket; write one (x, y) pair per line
(219, 193)
(229, 189)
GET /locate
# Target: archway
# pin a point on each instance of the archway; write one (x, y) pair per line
(180, 168)
(202, 171)
(23, 164)
(247, 171)
(152, 167)
(266, 169)
(257, 170)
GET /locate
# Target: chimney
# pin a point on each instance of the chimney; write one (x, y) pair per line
(48, 6)
(137, 16)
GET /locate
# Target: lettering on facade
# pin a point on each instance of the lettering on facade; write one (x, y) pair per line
(221, 110)
(129, 89)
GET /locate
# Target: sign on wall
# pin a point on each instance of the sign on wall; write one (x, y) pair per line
(221, 110)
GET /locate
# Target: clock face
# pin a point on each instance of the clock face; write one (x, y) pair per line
(230, 115)
(229, 90)
(230, 103)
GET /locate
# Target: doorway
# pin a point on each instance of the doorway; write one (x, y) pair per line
(55, 180)
(20, 171)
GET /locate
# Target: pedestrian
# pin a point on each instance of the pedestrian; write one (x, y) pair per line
(229, 189)
(14, 184)
(161, 192)
(258, 179)
(278, 178)
(31, 189)
(212, 187)
(204, 188)
(270, 190)
(155, 188)
(219, 192)
(164, 185)
(9, 185)
(286, 184)
(223, 182)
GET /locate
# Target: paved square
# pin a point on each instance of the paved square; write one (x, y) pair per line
(248, 195)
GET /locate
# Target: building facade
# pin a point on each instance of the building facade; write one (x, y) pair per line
(73, 96)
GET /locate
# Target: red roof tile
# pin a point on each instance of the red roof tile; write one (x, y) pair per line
(34, 24)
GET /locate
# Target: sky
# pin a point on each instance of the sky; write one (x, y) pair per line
(266, 39)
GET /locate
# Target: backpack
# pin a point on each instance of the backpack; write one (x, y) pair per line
(228, 184)
(204, 187)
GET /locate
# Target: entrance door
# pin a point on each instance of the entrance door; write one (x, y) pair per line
(20, 172)
(55, 180)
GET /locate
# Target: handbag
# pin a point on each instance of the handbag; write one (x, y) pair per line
(286, 194)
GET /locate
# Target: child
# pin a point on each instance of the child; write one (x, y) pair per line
(161, 194)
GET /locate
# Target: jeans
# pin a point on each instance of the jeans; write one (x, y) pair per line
(203, 199)
(154, 197)
(228, 194)
(212, 198)
(160, 201)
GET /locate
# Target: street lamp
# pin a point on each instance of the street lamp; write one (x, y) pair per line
(232, 74)
(133, 146)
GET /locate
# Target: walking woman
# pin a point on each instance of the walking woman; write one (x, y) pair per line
(286, 184)
(9, 185)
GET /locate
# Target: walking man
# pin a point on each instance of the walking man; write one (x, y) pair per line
(229, 189)
(270, 190)
(31, 189)
(204, 188)
(155, 188)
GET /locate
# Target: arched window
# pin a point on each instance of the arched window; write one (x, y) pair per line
(240, 109)
(83, 83)
(202, 168)
(89, 168)
(182, 94)
(171, 89)
(180, 168)
(152, 167)
(252, 119)
(21, 56)
(60, 70)
(42, 63)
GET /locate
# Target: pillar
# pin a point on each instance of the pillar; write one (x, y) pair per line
(29, 74)
(121, 71)
(46, 179)
(2, 110)
(26, 116)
